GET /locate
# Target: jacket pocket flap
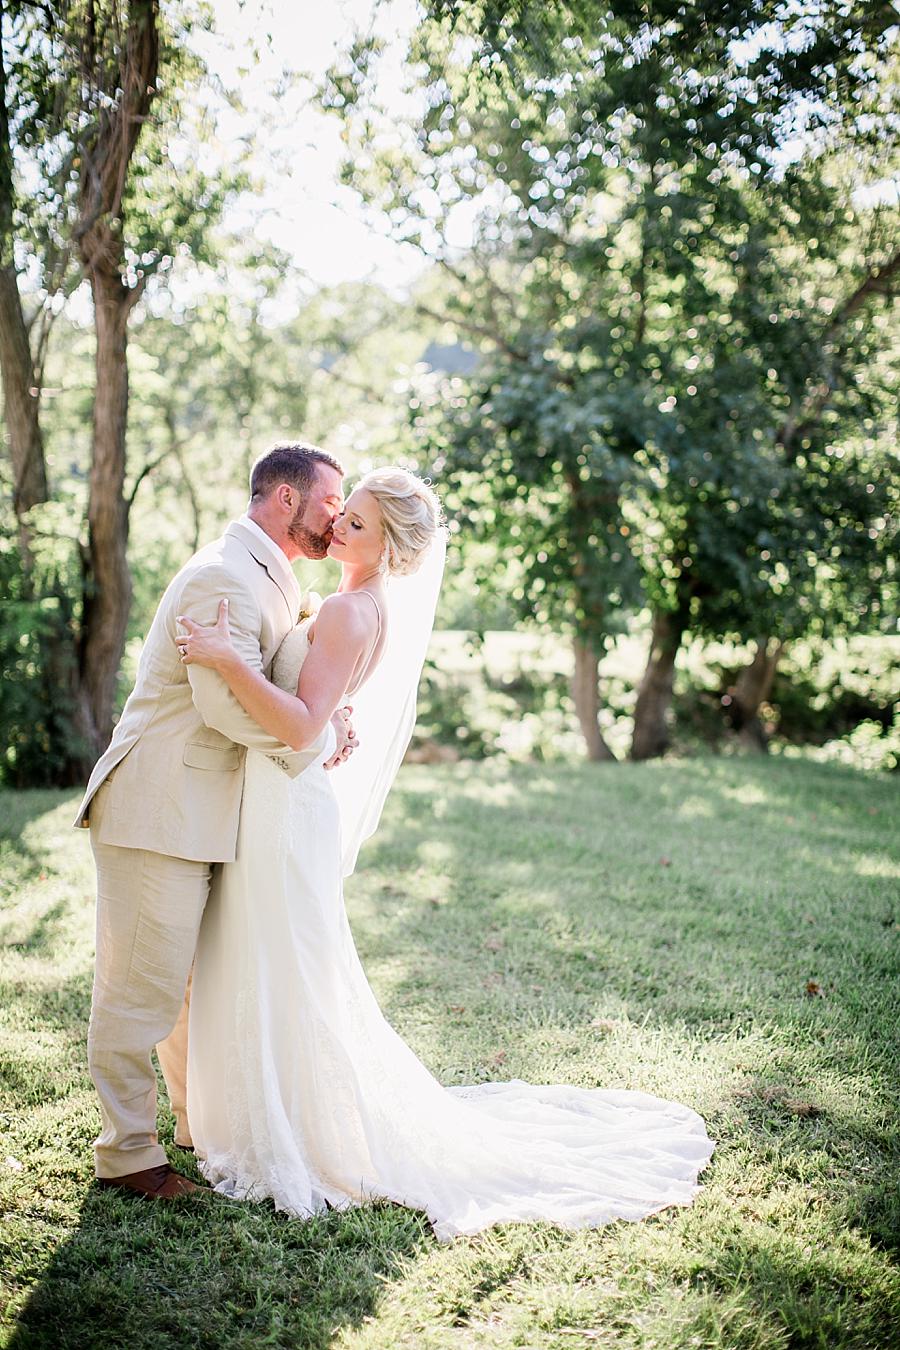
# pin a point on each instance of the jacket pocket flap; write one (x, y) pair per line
(211, 757)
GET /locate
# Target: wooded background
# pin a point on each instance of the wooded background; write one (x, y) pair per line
(657, 390)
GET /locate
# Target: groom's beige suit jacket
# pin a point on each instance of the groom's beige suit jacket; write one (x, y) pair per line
(178, 750)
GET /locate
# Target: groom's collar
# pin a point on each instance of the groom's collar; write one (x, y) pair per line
(267, 552)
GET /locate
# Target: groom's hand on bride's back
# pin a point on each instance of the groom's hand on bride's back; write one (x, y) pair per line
(346, 737)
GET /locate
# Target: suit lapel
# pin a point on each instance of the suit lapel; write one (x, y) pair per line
(269, 556)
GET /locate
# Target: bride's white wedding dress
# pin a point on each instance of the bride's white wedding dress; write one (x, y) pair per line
(299, 1090)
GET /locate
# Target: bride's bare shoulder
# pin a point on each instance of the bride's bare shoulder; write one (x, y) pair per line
(348, 613)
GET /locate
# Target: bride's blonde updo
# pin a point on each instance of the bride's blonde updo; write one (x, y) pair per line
(410, 516)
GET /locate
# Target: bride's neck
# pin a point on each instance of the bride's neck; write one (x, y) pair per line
(357, 578)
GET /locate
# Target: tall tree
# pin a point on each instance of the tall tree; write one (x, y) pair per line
(86, 186)
(24, 100)
(630, 167)
(118, 52)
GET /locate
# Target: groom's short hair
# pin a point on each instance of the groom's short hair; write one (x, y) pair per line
(292, 462)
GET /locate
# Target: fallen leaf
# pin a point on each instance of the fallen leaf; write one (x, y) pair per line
(814, 989)
(457, 1007)
(805, 1109)
(496, 1060)
(604, 1023)
(665, 862)
(777, 1096)
(493, 944)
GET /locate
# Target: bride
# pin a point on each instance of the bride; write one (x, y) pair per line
(298, 1088)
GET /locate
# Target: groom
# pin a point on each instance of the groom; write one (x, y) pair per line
(163, 803)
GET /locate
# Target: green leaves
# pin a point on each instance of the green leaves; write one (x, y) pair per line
(673, 297)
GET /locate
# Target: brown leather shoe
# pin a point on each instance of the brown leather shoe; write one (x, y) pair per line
(159, 1183)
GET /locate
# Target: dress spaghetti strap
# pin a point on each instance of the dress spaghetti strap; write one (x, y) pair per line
(372, 650)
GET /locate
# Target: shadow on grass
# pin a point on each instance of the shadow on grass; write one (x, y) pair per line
(710, 922)
(122, 1273)
(876, 1213)
(41, 934)
(37, 850)
(63, 1006)
(18, 810)
(209, 1272)
(792, 1291)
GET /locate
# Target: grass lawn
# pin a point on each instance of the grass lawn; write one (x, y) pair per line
(721, 931)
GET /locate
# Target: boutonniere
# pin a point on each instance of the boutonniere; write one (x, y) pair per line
(310, 604)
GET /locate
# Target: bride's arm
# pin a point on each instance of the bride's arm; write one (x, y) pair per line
(342, 635)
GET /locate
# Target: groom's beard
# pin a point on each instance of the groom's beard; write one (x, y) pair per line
(310, 544)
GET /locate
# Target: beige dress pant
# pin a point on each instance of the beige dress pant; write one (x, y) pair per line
(149, 908)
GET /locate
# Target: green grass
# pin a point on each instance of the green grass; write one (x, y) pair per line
(717, 930)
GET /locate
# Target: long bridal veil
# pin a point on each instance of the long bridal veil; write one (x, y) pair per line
(384, 710)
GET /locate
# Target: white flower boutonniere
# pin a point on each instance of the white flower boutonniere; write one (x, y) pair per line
(310, 604)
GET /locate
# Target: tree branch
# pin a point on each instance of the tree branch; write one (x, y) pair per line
(463, 280)
(876, 282)
(146, 471)
(478, 330)
(350, 383)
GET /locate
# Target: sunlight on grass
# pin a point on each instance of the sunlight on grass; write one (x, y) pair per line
(696, 808)
(876, 865)
(720, 932)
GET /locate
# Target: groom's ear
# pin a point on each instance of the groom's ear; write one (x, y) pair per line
(284, 495)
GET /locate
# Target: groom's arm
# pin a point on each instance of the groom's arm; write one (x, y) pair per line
(213, 699)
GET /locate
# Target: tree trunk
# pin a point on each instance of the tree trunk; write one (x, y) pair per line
(752, 687)
(116, 86)
(651, 732)
(586, 694)
(107, 581)
(20, 399)
(178, 451)
(20, 392)
(106, 157)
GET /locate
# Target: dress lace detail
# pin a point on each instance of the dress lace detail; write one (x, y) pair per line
(299, 1090)
(288, 660)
